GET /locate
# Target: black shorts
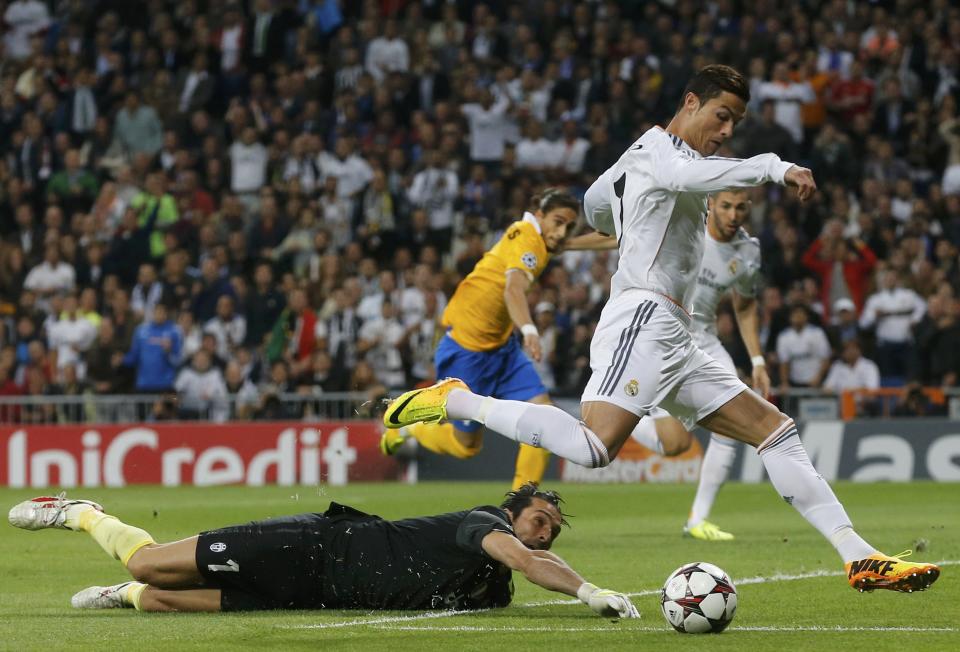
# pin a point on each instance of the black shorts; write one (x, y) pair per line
(272, 564)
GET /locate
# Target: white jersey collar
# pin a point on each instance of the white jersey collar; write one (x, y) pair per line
(680, 143)
(532, 219)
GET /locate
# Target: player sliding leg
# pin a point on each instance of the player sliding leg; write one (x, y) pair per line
(643, 355)
(161, 566)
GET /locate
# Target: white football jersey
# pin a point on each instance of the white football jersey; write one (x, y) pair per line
(655, 200)
(725, 266)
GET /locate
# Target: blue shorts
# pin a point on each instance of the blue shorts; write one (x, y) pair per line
(505, 373)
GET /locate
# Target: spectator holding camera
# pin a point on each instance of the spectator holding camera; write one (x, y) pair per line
(842, 265)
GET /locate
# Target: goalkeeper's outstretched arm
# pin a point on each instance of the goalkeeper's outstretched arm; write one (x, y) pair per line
(551, 572)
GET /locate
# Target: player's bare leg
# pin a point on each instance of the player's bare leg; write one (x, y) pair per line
(752, 419)
(195, 600)
(663, 435)
(167, 565)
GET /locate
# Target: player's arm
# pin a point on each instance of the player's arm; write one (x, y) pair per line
(596, 204)
(745, 309)
(515, 297)
(549, 571)
(680, 172)
(594, 241)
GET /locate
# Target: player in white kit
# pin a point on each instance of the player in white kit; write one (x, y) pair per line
(643, 355)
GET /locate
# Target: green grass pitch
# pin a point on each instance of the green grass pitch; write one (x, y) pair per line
(625, 537)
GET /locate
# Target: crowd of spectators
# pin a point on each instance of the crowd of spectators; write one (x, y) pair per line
(278, 196)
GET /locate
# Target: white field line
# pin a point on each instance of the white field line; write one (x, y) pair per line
(665, 628)
(778, 577)
(388, 619)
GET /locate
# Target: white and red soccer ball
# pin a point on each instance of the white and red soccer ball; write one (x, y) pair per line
(698, 598)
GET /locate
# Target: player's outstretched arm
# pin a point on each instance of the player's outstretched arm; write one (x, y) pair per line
(680, 172)
(549, 571)
(594, 241)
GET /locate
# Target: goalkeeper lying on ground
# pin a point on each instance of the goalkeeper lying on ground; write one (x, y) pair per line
(341, 559)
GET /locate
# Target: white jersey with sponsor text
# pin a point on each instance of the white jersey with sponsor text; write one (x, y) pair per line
(655, 200)
(733, 265)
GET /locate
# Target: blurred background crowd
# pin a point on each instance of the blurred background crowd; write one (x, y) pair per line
(278, 196)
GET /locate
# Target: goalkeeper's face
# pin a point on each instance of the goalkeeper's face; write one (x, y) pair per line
(538, 524)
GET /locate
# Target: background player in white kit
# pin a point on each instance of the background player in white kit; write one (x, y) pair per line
(642, 353)
(731, 264)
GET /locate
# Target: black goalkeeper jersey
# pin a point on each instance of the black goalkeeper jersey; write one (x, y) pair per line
(345, 559)
(431, 562)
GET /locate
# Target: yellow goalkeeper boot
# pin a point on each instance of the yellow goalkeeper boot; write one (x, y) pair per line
(707, 531)
(880, 571)
(428, 405)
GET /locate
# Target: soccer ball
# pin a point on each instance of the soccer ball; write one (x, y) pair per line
(698, 598)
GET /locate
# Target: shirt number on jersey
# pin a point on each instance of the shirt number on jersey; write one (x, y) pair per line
(619, 186)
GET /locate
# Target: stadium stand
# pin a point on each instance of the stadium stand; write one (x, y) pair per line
(271, 199)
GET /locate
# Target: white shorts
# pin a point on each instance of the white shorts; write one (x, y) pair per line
(643, 355)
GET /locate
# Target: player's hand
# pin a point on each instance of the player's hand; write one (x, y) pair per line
(802, 179)
(761, 381)
(608, 604)
(531, 344)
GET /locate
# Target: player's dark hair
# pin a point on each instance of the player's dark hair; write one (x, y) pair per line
(518, 500)
(552, 198)
(714, 79)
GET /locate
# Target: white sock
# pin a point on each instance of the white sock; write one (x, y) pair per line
(646, 435)
(713, 473)
(541, 426)
(464, 405)
(800, 485)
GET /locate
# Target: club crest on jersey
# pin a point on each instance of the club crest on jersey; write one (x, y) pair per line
(632, 388)
(529, 259)
(733, 266)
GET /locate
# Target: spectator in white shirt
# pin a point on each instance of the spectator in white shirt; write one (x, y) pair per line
(530, 95)
(228, 327)
(852, 371)
(803, 350)
(352, 171)
(788, 97)
(534, 152)
(544, 315)
(435, 188)
(413, 304)
(50, 277)
(378, 342)
(201, 390)
(571, 149)
(892, 312)
(370, 307)
(70, 335)
(146, 293)
(387, 53)
(24, 19)
(489, 124)
(248, 163)
(420, 339)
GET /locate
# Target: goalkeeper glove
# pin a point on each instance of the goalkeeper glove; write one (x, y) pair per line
(608, 604)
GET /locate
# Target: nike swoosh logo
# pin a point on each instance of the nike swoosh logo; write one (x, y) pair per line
(393, 416)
